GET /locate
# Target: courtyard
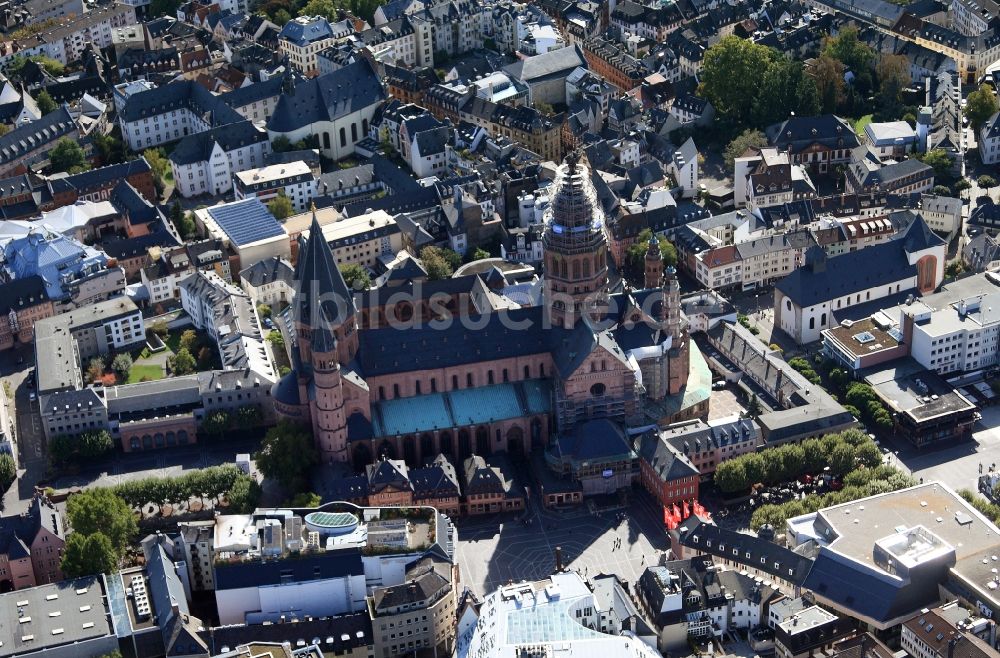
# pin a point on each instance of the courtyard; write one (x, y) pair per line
(502, 548)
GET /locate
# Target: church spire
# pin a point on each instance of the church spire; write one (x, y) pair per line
(322, 295)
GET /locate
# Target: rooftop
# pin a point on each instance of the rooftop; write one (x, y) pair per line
(908, 388)
(245, 222)
(864, 337)
(43, 618)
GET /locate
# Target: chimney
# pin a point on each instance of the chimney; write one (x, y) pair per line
(559, 562)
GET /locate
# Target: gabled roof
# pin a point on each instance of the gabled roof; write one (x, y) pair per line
(198, 146)
(554, 63)
(321, 286)
(328, 97)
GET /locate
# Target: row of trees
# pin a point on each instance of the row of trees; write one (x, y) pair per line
(841, 452)
(212, 483)
(8, 470)
(857, 397)
(857, 484)
(985, 507)
(88, 445)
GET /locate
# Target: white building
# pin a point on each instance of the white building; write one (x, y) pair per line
(303, 38)
(246, 227)
(335, 109)
(811, 298)
(951, 333)
(558, 615)
(205, 162)
(989, 140)
(66, 41)
(294, 179)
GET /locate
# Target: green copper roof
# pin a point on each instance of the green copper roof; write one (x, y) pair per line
(460, 408)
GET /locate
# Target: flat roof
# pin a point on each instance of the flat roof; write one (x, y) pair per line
(273, 172)
(907, 387)
(862, 338)
(42, 618)
(806, 619)
(858, 525)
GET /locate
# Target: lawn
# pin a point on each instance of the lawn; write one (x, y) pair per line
(138, 373)
(859, 125)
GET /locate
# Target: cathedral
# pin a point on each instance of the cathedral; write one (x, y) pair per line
(472, 382)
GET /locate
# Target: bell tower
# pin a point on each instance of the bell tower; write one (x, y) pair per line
(654, 264)
(576, 248)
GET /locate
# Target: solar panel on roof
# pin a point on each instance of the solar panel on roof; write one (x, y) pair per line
(245, 222)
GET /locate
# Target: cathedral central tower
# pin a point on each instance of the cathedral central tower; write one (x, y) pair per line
(576, 248)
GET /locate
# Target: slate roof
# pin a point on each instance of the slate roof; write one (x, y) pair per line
(198, 147)
(267, 271)
(797, 133)
(877, 265)
(594, 441)
(328, 97)
(321, 286)
(749, 550)
(552, 64)
(22, 293)
(387, 473)
(667, 462)
(340, 635)
(435, 480)
(17, 532)
(185, 94)
(31, 136)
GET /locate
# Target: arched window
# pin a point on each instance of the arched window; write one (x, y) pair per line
(586, 268)
(454, 381)
(395, 390)
(598, 389)
(576, 269)
(812, 322)
(354, 132)
(364, 126)
(343, 137)
(527, 372)
(489, 377)
(417, 384)
(434, 385)
(468, 380)
(381, 392)
(505, 377)
(822, 319)
(326, 140)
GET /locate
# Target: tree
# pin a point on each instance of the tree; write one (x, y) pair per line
(306, 499)
(67, 156)
(748, 140)
(986, 182)
(356, 276)
(280, 144)
(243, 495)
(158, 162)
(435, 263)
(216, 422)
(88, 555)
(954, 268)
(730, 77)
(635, 256)
(110, 149)
(189, 339)
(941, 190)
(8, 471)
(867, 454)
(205, 355)
(95, 443)
(961, 185)
(854, 54)
(248, 416)
(100, 510)
(160, 328)
(939, 160)
(121, 365)
(182, 221)
(829, 76)
(264, 311)
(95, 369)
(45, 102)
(276, 339)
(479, 254)
(280, 206)
(325, 8)
(182, 363)
(287, 455)
(981, 105)
(784, 88)
(753, 406)
(842, 459)
(893, 73)
(731, 476)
